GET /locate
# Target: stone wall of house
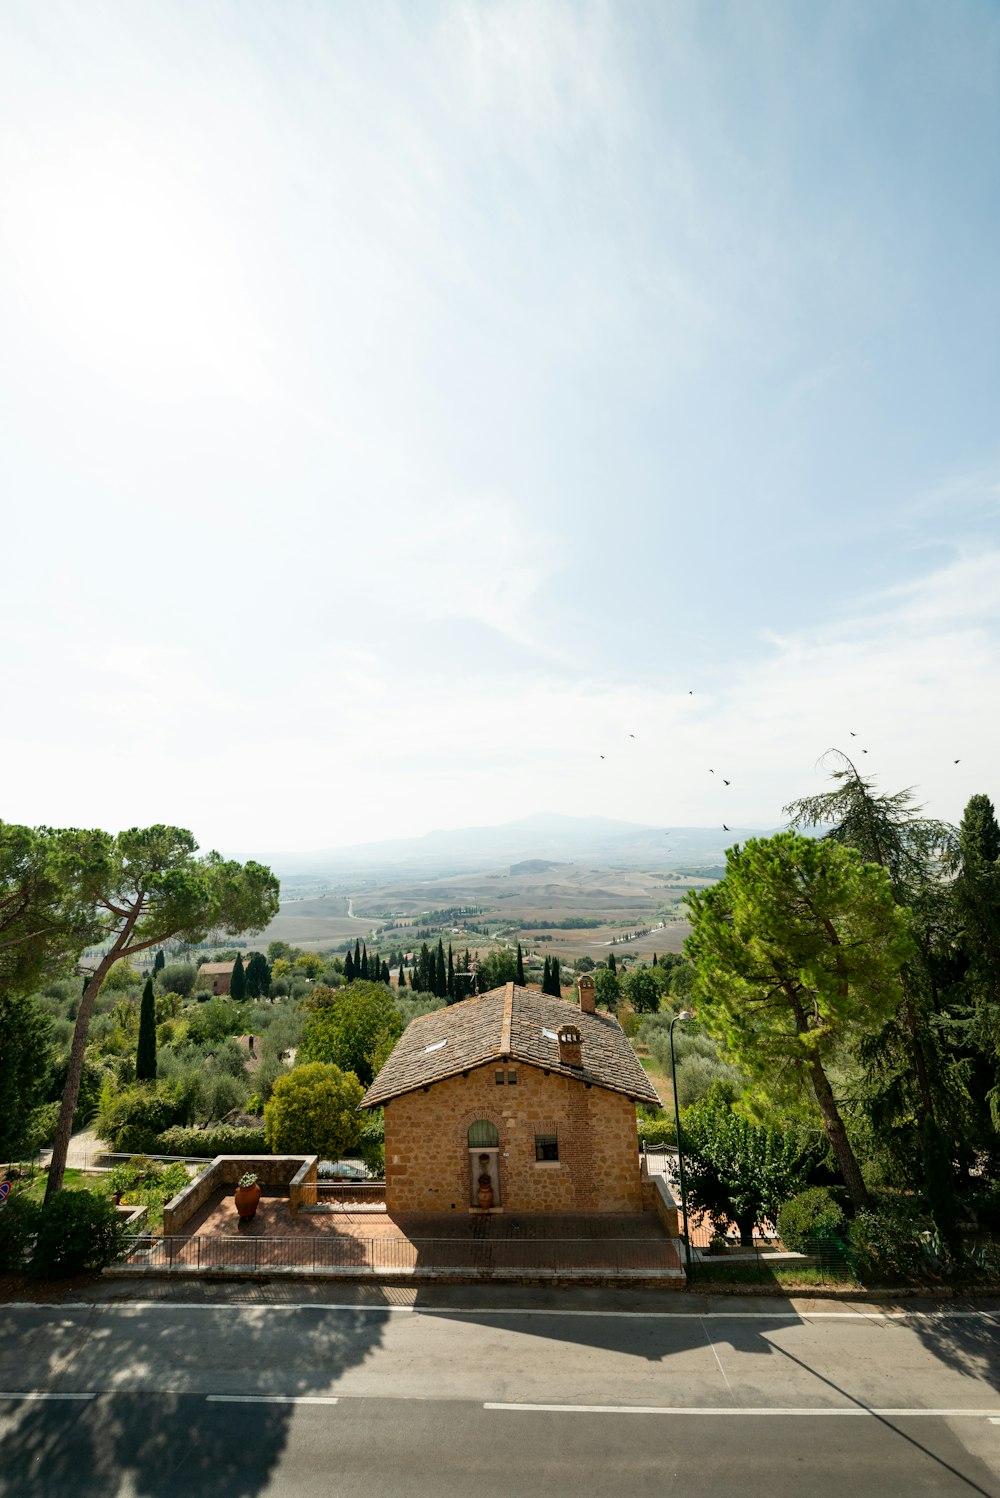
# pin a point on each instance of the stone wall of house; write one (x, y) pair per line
(427, 1151)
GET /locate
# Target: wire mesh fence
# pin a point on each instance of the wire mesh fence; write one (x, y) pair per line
(204, 1251)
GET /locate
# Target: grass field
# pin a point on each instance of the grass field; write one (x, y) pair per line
(659, 1078)
(74, 1180)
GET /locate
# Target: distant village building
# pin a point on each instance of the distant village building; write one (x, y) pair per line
(214, 975)
(512, 1100)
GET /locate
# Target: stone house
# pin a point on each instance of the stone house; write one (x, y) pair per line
(527, 1090)
(215, 975)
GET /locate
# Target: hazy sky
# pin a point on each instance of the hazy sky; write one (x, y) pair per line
(400, 406)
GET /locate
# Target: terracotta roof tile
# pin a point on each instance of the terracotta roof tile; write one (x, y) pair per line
(508, 1022)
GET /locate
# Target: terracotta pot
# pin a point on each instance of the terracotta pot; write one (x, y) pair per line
(484, 1195)
(246, 1199)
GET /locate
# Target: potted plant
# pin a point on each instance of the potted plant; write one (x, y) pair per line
(718, 1245)
(247, 1194)
(484, 1195)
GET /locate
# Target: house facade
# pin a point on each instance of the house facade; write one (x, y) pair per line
(516, 1092)
(216, 976)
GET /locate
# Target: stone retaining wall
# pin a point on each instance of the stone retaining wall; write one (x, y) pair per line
(656, 1198)
(297, 1172)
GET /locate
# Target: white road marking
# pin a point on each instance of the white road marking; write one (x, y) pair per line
(677, 1409)
(270, 1399)
(390, 1310)
(38, 1394)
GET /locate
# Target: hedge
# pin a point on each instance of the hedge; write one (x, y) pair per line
(224, 1139)
(656, 1131)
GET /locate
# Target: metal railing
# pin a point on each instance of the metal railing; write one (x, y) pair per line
(204, 1251)
(351, 1193)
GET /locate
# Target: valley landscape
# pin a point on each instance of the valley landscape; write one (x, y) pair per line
(571, 886)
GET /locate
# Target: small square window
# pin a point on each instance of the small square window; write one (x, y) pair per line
(546, 1147)
(512, 1079)
(498, 1078)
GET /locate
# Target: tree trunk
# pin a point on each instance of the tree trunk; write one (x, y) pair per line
(837, 1135)
(746, 1226)
(71, 1092)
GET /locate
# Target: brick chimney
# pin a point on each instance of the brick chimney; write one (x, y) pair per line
(570, 1047)
(585, 984)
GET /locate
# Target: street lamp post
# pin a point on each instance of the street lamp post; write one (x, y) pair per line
(684, 1014)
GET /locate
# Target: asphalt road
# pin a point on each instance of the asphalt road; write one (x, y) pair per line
(463, 1395)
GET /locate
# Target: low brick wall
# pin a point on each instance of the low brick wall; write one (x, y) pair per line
(297, 1172)
(656, 1198)
(302, 1186)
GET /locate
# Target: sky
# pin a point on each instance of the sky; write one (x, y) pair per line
(402, 406)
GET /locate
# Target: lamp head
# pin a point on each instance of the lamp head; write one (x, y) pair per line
(686, 1014)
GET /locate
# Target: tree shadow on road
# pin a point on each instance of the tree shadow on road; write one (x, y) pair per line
(967, 1344)
(172, 1441)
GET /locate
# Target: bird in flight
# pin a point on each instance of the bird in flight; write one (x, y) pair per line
(631, 735)
(602, 756)
(724, 780)
(852, 733)
(690, 694)
(958, 761)
(724, 827)
(711, 772)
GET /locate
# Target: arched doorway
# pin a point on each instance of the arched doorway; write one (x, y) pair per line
(484, 1159)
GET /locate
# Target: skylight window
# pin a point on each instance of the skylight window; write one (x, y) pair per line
(549, 1034)
(435, 1047)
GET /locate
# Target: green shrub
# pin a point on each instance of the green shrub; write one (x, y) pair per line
(132, 1119)
(18, 1225)
(811, 1214)
(885, 1241)
(77, 1230)
(224, 1139)
(372, 1142)
(144, 1182)
(657, 1131)
(314, 1109)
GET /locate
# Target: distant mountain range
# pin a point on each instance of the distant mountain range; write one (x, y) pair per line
(556, 839)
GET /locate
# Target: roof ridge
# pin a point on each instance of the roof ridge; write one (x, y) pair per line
(508, 1009)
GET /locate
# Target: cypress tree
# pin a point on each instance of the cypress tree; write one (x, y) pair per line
(357, 958)
(349, 967)
(545, 977)
(555, 978)
(442, 972)
(384, 975)
(238, 982)
(519, 979)
(145, 1054)
(258, 976)
(401, 980)
(159, 962)
(364, 960)
(612, 964)
(451, 974)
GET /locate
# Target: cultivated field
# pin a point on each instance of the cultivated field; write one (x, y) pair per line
(524, 903)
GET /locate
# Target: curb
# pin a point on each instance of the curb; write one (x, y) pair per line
(632, 1279)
